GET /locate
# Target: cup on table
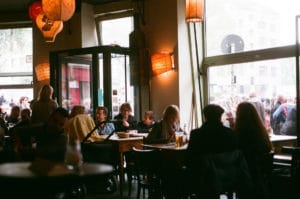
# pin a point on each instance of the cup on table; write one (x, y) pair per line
(179, 138)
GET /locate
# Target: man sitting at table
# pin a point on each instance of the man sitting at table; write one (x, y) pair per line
(50, 137)
(212, 154)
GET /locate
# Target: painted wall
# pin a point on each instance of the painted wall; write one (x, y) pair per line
(161, 36)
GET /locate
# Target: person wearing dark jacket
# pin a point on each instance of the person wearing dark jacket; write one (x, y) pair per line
(125, 120)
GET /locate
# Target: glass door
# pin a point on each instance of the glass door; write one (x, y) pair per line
(76, 82)
(97, 76)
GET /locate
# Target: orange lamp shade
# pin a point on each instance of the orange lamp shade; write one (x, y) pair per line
(34, 10)
(194, 10)
(48, 27)
(42, 71)
(59, 9)
(161, 62)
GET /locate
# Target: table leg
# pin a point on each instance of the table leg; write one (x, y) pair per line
(121, 173)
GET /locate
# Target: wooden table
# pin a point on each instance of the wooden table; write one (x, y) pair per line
(124, 145)
(19, 180)
(282, 140)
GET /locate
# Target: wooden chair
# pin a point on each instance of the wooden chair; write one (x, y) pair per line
(146, 165)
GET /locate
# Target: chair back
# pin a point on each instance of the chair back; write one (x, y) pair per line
(219, 173)
(145, 160)
(24, 140)
(295, 166)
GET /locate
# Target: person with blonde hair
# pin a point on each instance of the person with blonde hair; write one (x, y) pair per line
(164, 130)
(44, 106)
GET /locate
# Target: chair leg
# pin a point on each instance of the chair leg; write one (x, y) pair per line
(138, 193)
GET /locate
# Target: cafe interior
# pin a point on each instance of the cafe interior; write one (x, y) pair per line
(151, 54)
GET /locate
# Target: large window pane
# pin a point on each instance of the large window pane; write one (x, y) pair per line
(240, 25)
(232, 84)
(15, 68)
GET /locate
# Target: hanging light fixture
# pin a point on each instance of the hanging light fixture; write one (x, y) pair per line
(194, 10)
(48, 27)
(59, 9)
(161, 62)
(42, 71)
(34, 10)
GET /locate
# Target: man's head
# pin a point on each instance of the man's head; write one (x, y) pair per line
(57, 119)
(213, 112)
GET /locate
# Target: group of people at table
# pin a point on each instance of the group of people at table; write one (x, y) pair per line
(247, 134)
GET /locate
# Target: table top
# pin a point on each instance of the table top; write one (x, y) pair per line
(115, 137)
(169, 146)
(22, 170)
(278, 138)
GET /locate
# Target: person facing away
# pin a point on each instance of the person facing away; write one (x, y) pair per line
(212, 136)
(276, 124)
(125, 120)
(289, 127)
(164, 130)
(258, 105)
(51, 138)
(146, 125)
(79, 125)
(213, 161)
(280, 115)
(44, 106)
(104, 127)
(254, 141)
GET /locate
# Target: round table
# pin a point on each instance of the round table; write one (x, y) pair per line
(19, 180)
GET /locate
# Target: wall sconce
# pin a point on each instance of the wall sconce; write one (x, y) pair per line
(48, 27)
(194, 10)
(57, 10)
(161, 62)
(42, 71)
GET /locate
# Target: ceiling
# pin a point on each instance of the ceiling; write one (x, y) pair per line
(17, 6)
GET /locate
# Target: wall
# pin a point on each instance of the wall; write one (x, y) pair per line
(161, 36)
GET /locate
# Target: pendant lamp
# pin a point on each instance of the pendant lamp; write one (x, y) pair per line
(34, 10)
(161, 62)
(57, 10)
(48, 27)
(194, 10)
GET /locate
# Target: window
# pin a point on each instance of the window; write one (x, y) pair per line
(15, 67)
(255, 24)
(115, 31)
(251, 52)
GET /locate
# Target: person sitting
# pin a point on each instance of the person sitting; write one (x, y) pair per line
(164, 130)
(125, 120)
(147, 124)
(14, 116)
(51, 140)
(80, 125)
(213, 160)
(104, 127)
(254, 142)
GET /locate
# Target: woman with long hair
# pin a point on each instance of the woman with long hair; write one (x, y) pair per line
(253, 140)
(44, 106)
